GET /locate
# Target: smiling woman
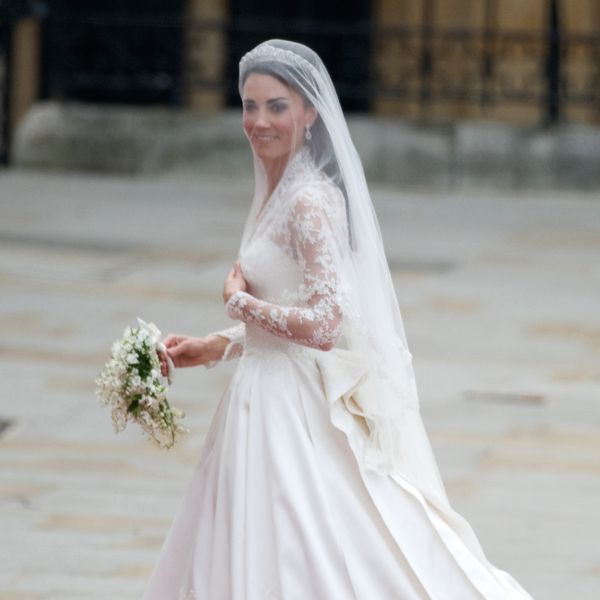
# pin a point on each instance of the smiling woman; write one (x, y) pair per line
(316, 479)
(276, 120)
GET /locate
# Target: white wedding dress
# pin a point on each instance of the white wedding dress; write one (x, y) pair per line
(279, 506)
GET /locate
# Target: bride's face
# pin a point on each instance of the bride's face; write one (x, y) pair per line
(274, 116)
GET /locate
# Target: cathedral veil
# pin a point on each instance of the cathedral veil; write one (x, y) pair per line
(373, 329)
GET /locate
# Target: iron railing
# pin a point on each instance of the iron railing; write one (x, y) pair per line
(142, 60)
(108, 58)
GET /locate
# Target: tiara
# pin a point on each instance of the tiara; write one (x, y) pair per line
(266, 51)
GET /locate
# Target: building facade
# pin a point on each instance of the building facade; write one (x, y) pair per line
(530, 62)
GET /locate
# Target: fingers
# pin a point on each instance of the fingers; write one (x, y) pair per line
(235, 270)
(172, 340)
(240, 280)
(177, 350)
(183, 350)
(164, 367)
(235, 274)
(176, 346)
(234, 282)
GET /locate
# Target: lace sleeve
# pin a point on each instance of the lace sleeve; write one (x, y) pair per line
(235, 347)
(317, 320)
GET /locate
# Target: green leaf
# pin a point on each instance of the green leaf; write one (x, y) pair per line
(134, 405)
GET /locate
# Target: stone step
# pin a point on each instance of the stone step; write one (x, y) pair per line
(137, 140)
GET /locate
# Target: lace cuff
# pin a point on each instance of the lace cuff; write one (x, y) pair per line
(234, 348)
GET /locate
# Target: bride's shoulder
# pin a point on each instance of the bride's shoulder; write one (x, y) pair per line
(317, 193)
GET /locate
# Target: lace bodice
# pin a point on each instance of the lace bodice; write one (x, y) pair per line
(291, 265)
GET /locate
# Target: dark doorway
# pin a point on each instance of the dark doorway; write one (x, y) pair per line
(122, 51)
(338, 32)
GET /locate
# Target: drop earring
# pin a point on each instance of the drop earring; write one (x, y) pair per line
(308, 134)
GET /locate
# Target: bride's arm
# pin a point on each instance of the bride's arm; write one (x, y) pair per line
(190, 351)
(235, 346)
(317, 322)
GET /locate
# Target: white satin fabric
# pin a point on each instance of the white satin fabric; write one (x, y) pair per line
(280, 507)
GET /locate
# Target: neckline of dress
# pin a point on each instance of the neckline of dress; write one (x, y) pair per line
(300, 159)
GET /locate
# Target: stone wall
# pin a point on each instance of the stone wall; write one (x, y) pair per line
(121, 139)
(518, 63)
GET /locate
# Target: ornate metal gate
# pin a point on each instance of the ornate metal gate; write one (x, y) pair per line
(489, 65)
(126, 52)
(117, 54)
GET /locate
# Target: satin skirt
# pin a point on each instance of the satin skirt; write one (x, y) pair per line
(279, 508)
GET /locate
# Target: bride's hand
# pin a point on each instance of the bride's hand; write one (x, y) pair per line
(235, 282)
(187, 351)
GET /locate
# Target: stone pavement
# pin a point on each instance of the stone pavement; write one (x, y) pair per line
(499, 293)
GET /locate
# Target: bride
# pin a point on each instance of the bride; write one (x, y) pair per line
(316, 479)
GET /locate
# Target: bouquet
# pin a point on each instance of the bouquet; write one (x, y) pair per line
(133, 385)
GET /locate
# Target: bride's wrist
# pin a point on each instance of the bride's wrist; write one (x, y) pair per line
(217, 345)
(235, 304)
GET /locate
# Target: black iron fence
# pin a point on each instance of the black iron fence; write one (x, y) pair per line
(149, 60)
(142, 60)
(114, 58)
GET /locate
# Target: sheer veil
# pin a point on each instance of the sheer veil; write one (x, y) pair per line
(373, 327)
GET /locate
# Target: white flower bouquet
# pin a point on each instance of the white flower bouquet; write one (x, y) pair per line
(133, 385)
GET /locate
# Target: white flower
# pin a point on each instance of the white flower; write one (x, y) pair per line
(150, 329)
(133, 398)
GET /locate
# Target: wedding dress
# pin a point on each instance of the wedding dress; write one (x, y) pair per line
(278, 507)
(282, 504)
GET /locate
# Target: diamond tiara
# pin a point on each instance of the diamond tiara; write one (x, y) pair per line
(266, 51)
